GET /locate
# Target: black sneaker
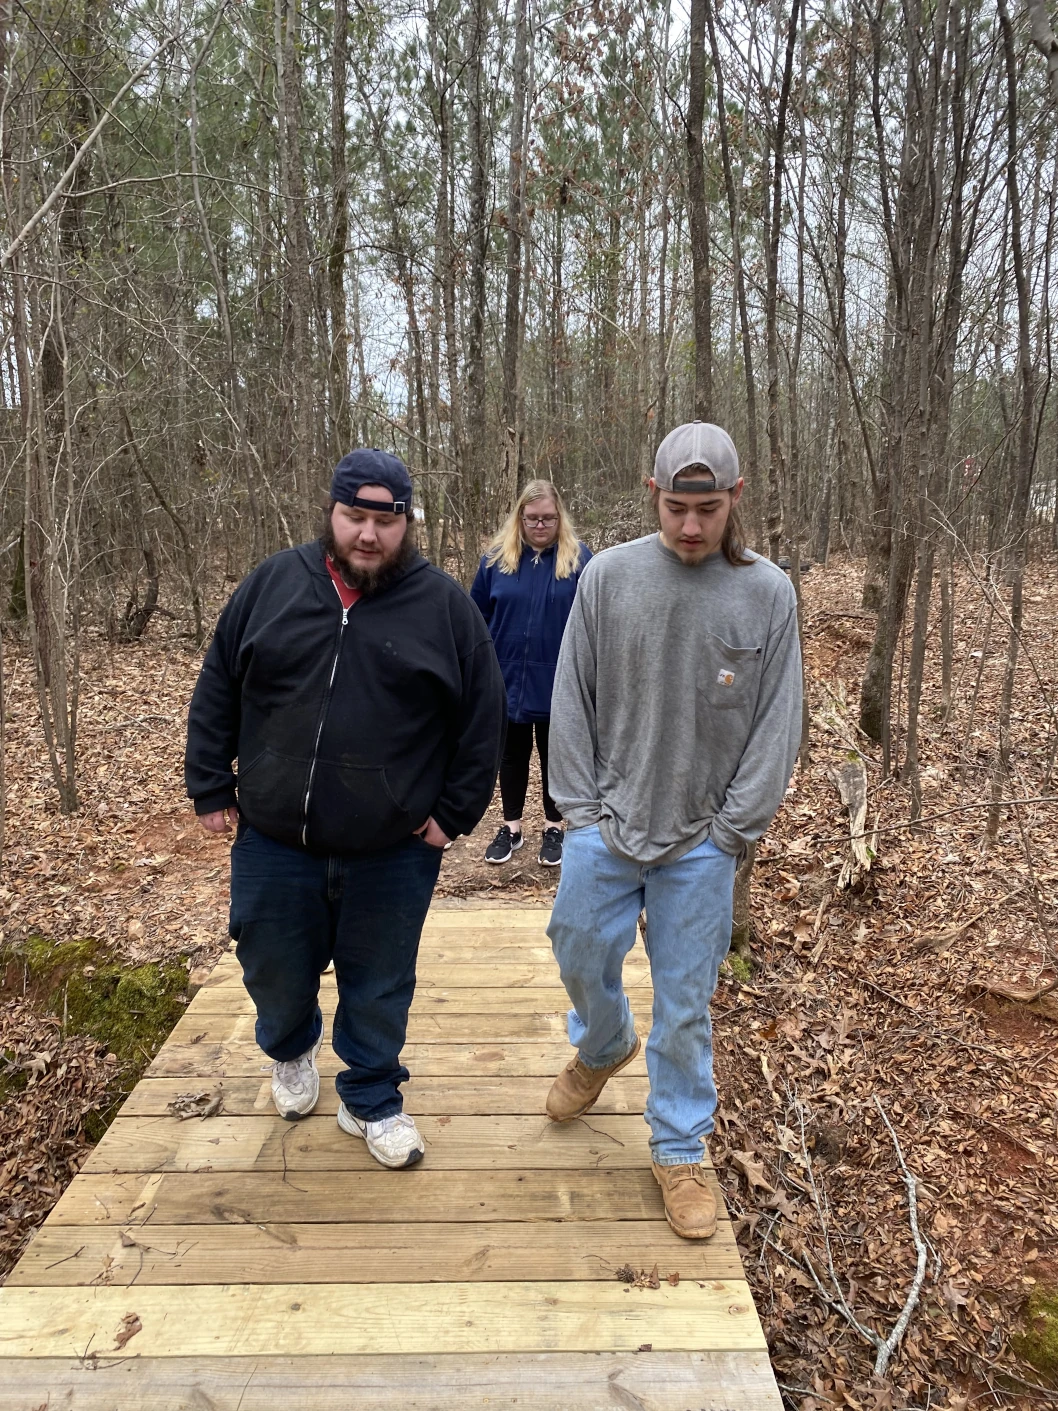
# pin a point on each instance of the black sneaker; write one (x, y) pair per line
(503, 844)
(551, 848)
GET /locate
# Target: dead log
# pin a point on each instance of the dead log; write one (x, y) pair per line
(851, 782)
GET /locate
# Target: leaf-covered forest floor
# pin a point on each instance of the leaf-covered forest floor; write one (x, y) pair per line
(864, 1010)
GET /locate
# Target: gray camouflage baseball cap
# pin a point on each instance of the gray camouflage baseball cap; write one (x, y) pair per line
(697, 443)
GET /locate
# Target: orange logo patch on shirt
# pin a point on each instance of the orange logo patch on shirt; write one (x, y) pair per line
(725, 678)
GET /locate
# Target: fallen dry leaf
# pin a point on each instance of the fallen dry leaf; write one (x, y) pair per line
(954, 1298)
(780, 1202)
(130, 1326)
(203, 1104)
(752, 1170)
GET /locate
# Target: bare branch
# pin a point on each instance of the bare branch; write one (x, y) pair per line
(79, 156)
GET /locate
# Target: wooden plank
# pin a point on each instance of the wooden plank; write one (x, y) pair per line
(424, 1026)
(253, 1320)
(488, 977)
(232, 999)
(440, 1097)
(350, 1197)
(487, 1059)
(549, 1381)
(290, 1254)
(479, 947)
(268, 1143)
(488, 949)
(495, 918)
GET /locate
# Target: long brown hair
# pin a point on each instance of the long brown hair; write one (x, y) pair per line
(505, 547)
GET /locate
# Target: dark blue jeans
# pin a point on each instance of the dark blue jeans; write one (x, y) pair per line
(292, 912)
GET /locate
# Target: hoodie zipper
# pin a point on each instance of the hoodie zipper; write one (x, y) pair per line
(538, 560)
(319, 729)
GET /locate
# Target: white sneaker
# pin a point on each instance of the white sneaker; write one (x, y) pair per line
(393, 1141)
(296, 1084)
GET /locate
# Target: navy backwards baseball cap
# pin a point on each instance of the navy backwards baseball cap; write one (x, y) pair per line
(372, 467)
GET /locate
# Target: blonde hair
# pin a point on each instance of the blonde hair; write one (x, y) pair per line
(505, 548)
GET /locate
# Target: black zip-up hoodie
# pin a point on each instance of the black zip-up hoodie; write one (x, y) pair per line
(351, 727)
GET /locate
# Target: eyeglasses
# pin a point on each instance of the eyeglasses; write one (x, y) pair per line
(540, 521)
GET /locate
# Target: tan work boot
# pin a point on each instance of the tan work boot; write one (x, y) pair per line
(577, 1087)
(690, 1206)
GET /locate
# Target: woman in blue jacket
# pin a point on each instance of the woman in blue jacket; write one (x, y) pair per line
(525, 588)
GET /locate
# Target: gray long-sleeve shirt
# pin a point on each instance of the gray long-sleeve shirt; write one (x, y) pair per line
(676, 713)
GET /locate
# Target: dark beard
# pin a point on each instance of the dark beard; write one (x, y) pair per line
(369, 581)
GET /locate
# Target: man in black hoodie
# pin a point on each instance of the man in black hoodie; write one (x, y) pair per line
(357, 686)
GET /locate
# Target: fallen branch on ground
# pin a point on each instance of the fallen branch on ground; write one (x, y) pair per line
(929, 817)
(943, 939)
(834, 1297)
(1043, 1000)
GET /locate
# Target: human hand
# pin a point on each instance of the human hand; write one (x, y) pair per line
(221, 822)
(431, 833)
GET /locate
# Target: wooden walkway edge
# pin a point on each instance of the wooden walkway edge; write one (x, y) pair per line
(240, 1262)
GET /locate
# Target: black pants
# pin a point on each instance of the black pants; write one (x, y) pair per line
(514, 769)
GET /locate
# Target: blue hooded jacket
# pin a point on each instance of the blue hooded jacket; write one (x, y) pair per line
(526, 614)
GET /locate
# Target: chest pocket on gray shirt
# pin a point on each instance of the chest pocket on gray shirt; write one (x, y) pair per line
(728, 676)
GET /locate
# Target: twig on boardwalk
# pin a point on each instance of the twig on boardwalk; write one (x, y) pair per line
(68, 1256)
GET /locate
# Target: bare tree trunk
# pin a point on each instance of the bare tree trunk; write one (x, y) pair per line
(894, 546)
(418, 423)
(698, 209)
(1025, 447)
(947, 634)
(793, 485)
(341, 418)
(846, 493)
(1044, 39)
(190, 564)
(753, 457)
(513, 476)
(476, 456)
(741, 914)
(296, 278)
(137, 616)
(643, 365)
(231, 379)
(771, 298)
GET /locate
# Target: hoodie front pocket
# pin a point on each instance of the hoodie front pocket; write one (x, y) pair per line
(271, 791)
(353, 809)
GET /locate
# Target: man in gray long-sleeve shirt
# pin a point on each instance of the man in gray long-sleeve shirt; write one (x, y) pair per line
(675, 723)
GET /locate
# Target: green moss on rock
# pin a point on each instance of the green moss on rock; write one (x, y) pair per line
(1038, 1344)
(130, 1009)
(12, 1080)
(739, 967)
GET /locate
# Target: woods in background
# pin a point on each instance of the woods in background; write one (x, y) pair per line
(508, 242)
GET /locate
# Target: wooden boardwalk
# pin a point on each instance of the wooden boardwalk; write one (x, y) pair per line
(262, 1264)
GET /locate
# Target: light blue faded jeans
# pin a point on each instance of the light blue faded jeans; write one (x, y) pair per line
(592, 929)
